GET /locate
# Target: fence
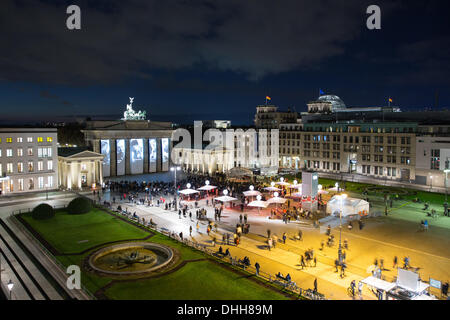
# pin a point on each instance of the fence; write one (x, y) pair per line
(234, 261)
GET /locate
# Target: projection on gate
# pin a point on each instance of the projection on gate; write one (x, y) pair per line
(120, 148)
(152, 155)
(165, 154)
(137, 156)
(105, 150)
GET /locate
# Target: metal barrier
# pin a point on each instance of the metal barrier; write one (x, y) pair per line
(234, 261)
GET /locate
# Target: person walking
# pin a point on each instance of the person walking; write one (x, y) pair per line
(190, 231)
(240, 218)
(245, 218)
(360, 287)
(315, 285)
(395, 262)
(302, 262)
(268, 233)
(336, 264)
(257, 266)
(214, 241)
(284, 238)
(343, 267)
(269, 242)
(315, 261)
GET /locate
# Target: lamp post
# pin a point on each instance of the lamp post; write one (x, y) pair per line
(10, 287)
(446, 177)
(341, 198)
(431, 182)
(175, 169)
(46, 192)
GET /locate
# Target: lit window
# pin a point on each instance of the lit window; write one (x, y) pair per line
(20, 183)
(40, 165)
(30, 166)
(9, 167)
(49, 139)
(50, 165)
(9, 152)
(30, 151)
(30, 139)
(19, 152)
(19, 167)
(40, 139)
(49, 152)
(41, 182)
(9, 140)
(19, 139)
(50, 182)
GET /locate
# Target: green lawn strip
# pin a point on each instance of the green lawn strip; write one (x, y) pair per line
(201, 280)
(68, 233)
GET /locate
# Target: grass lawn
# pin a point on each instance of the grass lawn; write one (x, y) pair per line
(195, 280)
(68, 233)
(201, 280)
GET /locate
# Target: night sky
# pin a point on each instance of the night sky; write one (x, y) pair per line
(213, 59)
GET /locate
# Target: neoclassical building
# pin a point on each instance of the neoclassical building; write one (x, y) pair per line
(79, 168)
(130, 146)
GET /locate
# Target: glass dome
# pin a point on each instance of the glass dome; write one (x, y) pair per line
(335, 101)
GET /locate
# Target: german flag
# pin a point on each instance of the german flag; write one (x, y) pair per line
(390, 100)
(268, 98)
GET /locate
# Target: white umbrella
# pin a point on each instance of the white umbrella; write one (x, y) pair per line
(258, 204)
(295, 186)
(271, 189)
(297, 195)
(282, 183)
(276, 200)
(322, 192)
(251, 193)
(225, 199)
(188, 191)
(207, 188)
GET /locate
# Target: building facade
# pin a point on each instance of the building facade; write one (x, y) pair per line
(28, 160)
(79, 168)
(130, 146)
(380, 143)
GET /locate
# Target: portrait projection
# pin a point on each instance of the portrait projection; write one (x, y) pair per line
(120, 153)
(105, 150)
(152, 151)
(136, 156)
(165, 154)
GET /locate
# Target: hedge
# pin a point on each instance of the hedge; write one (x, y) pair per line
(79, 206)
(43, 212)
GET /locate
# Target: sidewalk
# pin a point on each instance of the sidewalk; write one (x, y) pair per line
(277, 260)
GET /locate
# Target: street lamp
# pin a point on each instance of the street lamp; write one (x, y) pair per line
(342, 197)
(431, 182)
(10, 287)
(175, 169)
(46, 192)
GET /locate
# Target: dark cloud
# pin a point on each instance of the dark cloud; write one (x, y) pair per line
(131, 39)
(47, 95)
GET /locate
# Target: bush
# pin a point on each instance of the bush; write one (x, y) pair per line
(79, 206)
(43, 212)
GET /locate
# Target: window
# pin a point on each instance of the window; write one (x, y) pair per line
(49, 152)
(30, 151)
(19, 139)
(9, 152)
(19, 167)
(30, 184)
(49, 139)
(30, 139)
(30, 166)
(40, 165)
(0, 153)
(19, 152)
(9, 167)
(40, 139)
(41, 182)
(49, 165)
(20, 183)
(50, 182)
(8, 140)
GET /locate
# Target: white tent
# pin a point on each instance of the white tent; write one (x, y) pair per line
(379, 284)
(251, 193)
(276, 200)
(188, 191)
(349, 206)
(258, 204)
(272, 189)
(207, 188)
(225, 199)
